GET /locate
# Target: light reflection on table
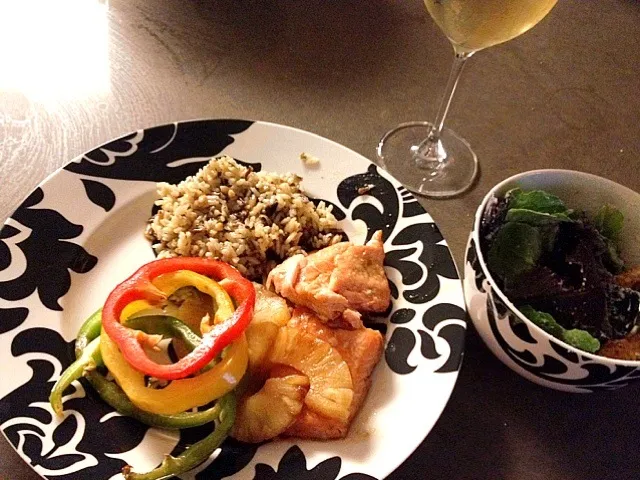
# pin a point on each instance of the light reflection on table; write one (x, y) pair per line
(57, 50)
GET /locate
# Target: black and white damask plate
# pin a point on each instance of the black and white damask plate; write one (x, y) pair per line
(81, 231)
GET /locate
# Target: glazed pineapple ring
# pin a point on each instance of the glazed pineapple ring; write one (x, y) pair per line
(271, 410)
(330, 384)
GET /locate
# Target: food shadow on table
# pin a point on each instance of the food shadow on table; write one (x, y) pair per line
(493, 413)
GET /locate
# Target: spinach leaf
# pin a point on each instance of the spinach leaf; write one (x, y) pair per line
(544, 320)
(611, 258)
(515, 249)
(608, 221)
(536, 200)
(548, 235)
(534, 218)
(580, 339)
(547, 223)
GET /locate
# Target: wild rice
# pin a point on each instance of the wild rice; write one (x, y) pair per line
(252, 220)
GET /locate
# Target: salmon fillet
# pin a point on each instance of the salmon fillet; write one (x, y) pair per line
(361, 349)
(336, 282)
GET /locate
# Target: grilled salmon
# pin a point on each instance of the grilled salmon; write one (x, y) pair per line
(337, 282)
(361, 349)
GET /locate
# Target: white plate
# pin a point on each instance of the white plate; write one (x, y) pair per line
(81, 232)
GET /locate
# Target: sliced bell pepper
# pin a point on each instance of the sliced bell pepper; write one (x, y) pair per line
(89, 331)
(140, 286)
(166, 326)
(113, 395)
(87, 350)
(169, 283)
(197, 453)
(89, 358)
(179, 395)
(222, 413)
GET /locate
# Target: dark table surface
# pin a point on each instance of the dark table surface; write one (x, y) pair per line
(565, 95)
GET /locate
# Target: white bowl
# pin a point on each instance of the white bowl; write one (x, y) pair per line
(515, 340)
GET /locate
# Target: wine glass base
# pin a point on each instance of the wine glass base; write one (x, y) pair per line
(452, 175)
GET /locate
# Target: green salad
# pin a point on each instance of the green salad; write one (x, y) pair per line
(559, 265)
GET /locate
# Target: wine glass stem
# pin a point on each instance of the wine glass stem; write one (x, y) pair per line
(430, 150)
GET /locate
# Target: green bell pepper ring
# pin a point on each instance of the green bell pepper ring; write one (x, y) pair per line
(89, 330)
(113, 395)
(87, 349)
(166, 326)
(222, 413)
(196, 453)
(89, 357)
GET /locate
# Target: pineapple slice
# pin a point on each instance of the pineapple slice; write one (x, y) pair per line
(270, 307)
(271, 410)
(270, 313)
(331, 387)
(260, 336)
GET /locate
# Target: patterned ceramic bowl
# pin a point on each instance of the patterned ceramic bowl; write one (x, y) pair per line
(516, 341)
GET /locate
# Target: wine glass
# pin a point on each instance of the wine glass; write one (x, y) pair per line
(426, 157)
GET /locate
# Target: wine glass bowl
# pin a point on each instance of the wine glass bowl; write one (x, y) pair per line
(473, 25)
(426, 157)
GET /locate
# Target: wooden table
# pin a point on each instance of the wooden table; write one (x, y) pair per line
(565, 95)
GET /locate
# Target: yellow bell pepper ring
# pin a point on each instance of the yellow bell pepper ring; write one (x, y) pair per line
(179, 395)
(171, 282)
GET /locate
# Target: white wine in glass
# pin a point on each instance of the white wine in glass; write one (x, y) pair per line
(426, 157)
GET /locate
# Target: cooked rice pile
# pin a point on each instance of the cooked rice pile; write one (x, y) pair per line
(252, 220)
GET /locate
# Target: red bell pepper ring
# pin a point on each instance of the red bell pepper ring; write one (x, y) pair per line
(140, 287)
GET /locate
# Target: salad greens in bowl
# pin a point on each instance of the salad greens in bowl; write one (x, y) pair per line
(552, 278)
